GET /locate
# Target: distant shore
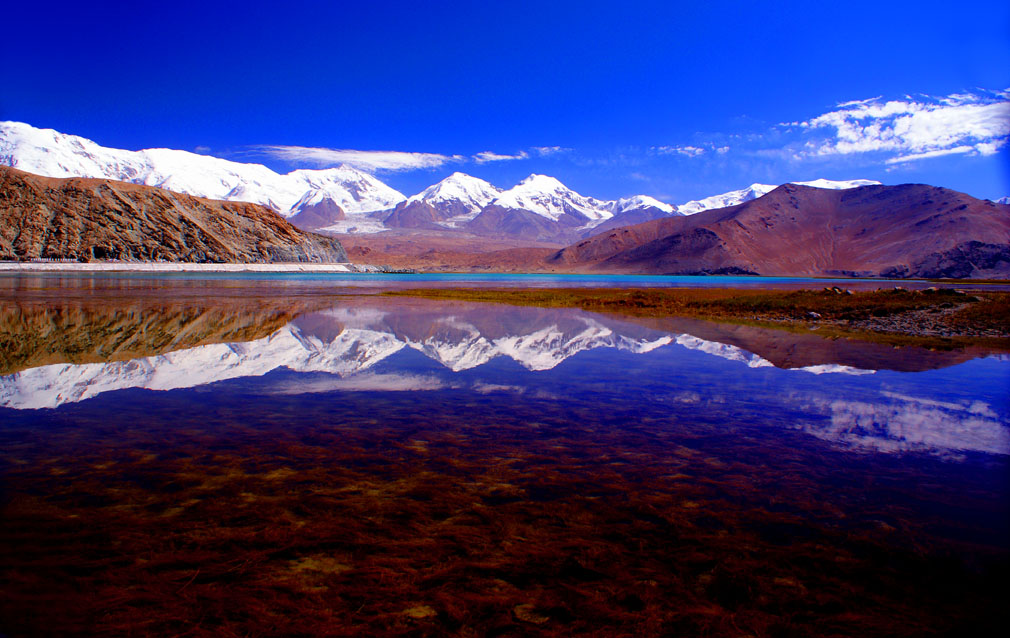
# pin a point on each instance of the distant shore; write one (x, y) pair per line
(13, 266)
(941, 318)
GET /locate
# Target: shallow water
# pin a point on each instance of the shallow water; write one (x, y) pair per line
(15, 281)
(215, 458)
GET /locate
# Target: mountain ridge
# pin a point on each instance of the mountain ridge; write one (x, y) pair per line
(49, 153)
(910, 230)
(343, 200)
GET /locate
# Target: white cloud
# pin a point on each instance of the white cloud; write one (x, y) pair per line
(363, 383)
(545, 151)
(914, 127)
(488, 156)
(909, 424)
(928, 154)
(370, 161)
(687, 151)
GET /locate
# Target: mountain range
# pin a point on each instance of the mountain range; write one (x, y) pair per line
(346, 200)
(818, 228)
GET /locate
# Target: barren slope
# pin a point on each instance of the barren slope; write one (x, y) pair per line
(87, 219)
(912, 230)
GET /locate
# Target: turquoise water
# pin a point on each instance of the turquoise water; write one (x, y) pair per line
(531, 280)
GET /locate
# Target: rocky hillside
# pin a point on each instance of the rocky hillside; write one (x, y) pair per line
(912, 230)
(88, 219)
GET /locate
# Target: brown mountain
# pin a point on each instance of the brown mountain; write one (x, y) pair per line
(516, 223)
(103, 219)
(629, 217)
(317, 215)
(912, 230)
(415, 214)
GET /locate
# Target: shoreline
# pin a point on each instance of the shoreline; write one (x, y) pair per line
(30, 267)
(356, 268)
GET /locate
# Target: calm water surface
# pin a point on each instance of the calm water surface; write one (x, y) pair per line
(210, 457)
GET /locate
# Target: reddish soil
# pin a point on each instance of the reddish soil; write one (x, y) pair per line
(435, 251)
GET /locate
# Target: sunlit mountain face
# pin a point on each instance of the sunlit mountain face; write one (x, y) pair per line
(382, 459)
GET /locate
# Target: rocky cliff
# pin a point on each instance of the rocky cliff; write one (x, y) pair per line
(88, 219)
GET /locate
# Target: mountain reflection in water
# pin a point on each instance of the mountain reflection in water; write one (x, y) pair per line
(377, 466)
(348, 342)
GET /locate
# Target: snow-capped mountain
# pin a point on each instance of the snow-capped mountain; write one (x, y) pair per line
(542, 208)
(346, 200)
(548, 197)
(449, 204)
(754, 191)
(638, 202)
(53, 154)
(461, 196)
(1004, 200)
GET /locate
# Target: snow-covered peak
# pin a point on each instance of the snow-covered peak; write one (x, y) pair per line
(731, 198)
(353, 190)
(548, 197)
(54, 154)
(638, 202)
(471, 192)
(838, 184)
(754, 191)
(1004, 200)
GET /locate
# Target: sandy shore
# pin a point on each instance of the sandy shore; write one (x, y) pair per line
(178, 267)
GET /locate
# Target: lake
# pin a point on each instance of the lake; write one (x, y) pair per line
(282, 455)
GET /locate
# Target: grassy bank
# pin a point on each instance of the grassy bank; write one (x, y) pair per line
(937, 318)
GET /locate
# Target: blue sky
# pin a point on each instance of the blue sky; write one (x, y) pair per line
(670, 99)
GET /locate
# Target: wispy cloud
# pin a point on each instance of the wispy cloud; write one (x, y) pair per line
(886, 132)
(940, 152)
(489, 156)
(546, 151)
(370, 161)
(374, 161)
(913, 128)
(686, 151)
(363, 382)
(690, 150)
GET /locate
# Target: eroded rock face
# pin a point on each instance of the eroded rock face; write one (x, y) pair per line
(89, 219)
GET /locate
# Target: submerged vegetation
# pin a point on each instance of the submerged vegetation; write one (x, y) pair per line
(487, 514)
(935, 317)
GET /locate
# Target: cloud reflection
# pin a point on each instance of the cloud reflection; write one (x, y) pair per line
(901, 423)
